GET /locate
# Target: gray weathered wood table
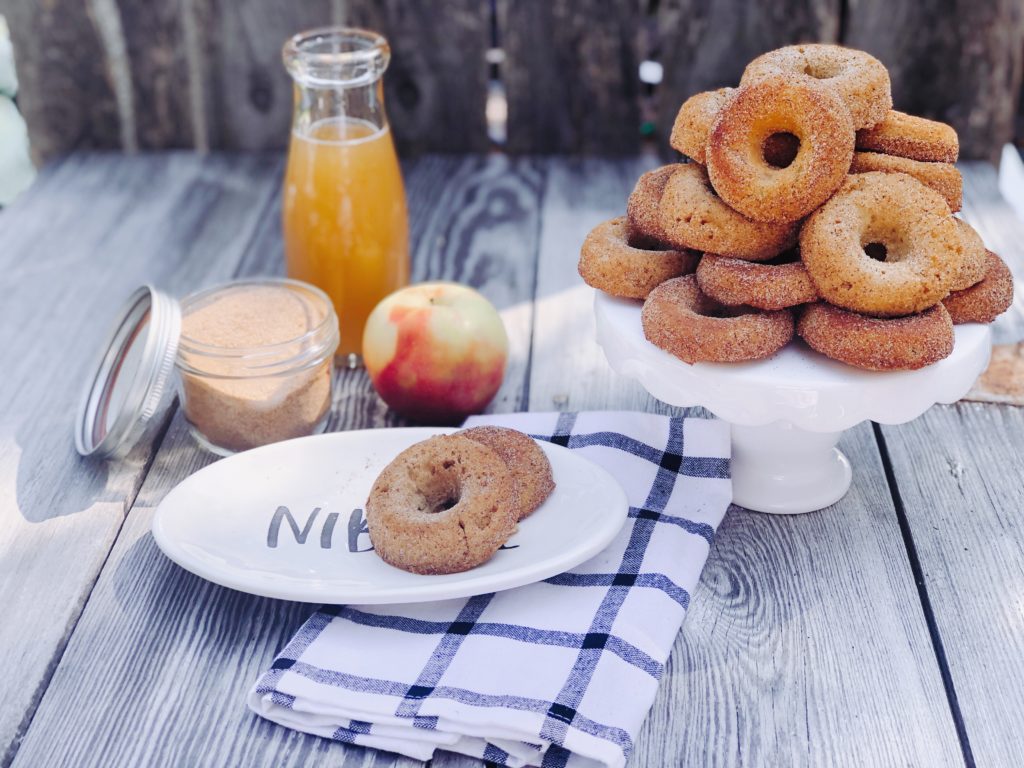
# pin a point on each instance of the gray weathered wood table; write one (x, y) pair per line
(886, 630)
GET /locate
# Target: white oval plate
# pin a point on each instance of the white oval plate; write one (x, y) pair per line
(286, 521)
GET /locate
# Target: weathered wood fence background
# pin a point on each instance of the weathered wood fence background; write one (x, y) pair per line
(206, 74)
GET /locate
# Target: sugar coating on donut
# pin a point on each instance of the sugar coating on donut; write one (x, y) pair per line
(775, 285)
(985, 301)
(678, 318)
(611, 264)
(942, 177)
(975, 264)
(443, 505)
(642, 206)
(693, 216)
(693, 122)
(894, 344)
(913, 137)
(527, 462)
(736, 162)
(858, 78)
(924, 249)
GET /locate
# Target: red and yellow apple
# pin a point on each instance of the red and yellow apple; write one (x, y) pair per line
(435, 352)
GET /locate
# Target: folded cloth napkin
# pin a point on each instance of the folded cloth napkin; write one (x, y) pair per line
(558, 673)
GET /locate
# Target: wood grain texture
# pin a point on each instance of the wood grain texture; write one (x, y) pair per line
(178, 654)
(571, 75)
(66, 95)
(963, 500)
(74, 246)
(958, 471)
(705, 45)
(805, 643)
(154, 41)
(248, 93)
(436, 86)
(958, 61)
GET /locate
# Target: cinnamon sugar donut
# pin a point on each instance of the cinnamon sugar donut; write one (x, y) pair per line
(776, 285)
(642, 207)
(922, 246)
(942, 177)
(985, 301)
(975, 264)
(697, 116)
(910, 136)
(678, 318)
(736, 163)
(895, 344)
(694, 120)
(611, 264)
(858, 78)
(444, 505)
(526, 461)
(693, 216)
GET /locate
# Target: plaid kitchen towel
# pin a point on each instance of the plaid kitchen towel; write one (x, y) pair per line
(558, 673)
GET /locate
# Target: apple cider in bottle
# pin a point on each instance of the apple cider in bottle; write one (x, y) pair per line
(346, 227)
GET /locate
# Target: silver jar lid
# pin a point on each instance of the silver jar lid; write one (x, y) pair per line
(129, 380)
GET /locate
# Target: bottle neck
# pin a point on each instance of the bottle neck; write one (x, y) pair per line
(339, 113)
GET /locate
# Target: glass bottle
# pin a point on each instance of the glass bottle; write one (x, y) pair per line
(346, 227)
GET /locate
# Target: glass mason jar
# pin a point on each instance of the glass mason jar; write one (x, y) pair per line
(346, 228)
(256, 362)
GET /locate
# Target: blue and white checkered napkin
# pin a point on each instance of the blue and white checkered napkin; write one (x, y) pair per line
(557, 673)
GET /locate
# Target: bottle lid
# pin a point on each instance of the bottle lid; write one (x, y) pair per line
(127, 384)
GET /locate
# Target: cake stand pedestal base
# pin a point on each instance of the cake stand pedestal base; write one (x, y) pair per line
(782, 469)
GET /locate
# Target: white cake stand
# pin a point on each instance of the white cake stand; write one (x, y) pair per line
(788, 412)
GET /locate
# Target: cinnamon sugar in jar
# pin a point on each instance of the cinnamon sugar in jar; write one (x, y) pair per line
(255, 362)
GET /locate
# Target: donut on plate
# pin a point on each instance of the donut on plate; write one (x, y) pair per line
(976, 263)
(736, 162)
(778, 284)
(526, 461)
(893, 344)
(642, 206)
(693, 122)
(444, 505)
(693, 216)
(984, 301)
(910, 136)
(858, 78)
(678, 318)
(611, 264)
(942, 177)
(884, 245)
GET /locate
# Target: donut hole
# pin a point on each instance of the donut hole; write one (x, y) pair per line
(876, 251)
(780, 149)
(437, 491)
(821, 70)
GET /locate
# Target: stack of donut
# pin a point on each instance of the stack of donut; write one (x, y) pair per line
(807, 205)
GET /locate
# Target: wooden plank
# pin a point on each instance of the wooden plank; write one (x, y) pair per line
(436, 86)
(806, 636)
(154, 41)
(248, 96)
(703, 46)
(66, 95)
(75, 245)
(916, 41)
(958, 470)
(177, 654)
(571, 75)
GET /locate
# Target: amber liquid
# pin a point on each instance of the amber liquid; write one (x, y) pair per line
(346, 228)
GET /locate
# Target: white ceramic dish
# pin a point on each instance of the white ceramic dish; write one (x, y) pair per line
(226, 523)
